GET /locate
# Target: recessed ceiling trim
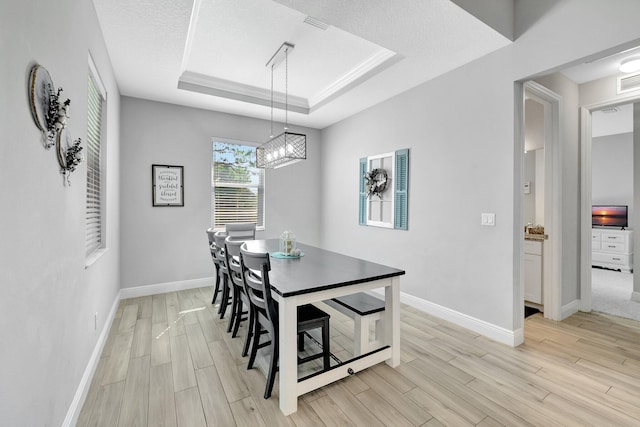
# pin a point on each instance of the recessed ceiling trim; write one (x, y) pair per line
(369, 65)
(209, 85)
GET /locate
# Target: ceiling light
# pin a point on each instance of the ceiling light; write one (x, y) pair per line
(288, 147)
(630, 65)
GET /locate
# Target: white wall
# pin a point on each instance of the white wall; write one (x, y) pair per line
(460, 129)
(612, 170)
(168, 244)
(47, 297)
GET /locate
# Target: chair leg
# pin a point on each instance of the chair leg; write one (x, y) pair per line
(238, 319)
(225, 296)
(325, 345)
(247, 340)
(234, 309)
(273, 366)
(217, 287)
(255, 342)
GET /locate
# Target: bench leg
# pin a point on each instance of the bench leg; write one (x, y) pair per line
(361, 335)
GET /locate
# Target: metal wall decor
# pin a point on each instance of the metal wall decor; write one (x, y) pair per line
(50, 115)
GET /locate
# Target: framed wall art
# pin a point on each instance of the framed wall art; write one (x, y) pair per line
(167, 185)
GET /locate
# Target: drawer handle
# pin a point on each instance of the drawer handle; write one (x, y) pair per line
(615, 259)
(612, 237)
(350, 371)
(611, 246)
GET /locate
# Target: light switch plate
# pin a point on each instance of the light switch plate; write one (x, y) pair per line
(488, 219)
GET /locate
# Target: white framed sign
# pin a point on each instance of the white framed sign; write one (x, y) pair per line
(167, 185)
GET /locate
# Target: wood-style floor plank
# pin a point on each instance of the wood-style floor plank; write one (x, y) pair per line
(135, 402)
(189, 410)
(162, 407)
(168, 361)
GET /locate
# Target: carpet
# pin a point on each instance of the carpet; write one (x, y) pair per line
(611, 293)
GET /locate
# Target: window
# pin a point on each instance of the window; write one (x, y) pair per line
(237, 185)
(94, 213)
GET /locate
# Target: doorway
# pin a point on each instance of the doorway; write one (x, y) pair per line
(609, 291)
(548, 184)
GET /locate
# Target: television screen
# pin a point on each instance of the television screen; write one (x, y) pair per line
(609, 215)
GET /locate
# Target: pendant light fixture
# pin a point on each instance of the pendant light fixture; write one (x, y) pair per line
(288, 147)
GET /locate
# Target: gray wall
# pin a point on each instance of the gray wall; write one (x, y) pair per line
(47, 297)
(460, 129)
(168, 244)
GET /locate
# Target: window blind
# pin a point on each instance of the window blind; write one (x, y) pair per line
(94, 183)
(237, 190)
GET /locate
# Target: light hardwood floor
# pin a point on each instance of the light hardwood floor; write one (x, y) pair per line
(164, 365)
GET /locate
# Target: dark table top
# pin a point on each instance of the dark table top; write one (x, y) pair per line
(318, 269)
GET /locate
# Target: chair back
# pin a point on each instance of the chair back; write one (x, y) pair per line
(245, 231)
(212, 244)
(219, 237)
(255, 274)
(232, 251)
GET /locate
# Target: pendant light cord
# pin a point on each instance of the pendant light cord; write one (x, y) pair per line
(271, 134)
(286, 89)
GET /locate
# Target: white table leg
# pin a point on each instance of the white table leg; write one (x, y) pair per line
(288, 318)
(392, 320)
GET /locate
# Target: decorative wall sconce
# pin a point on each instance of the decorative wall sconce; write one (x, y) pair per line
(69, 154)
(50, 116)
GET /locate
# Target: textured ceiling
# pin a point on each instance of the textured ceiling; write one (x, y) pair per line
(212, 53)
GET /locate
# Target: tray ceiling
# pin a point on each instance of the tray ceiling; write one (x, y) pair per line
(212, 54)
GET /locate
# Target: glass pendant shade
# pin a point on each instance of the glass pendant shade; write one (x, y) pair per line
(282, 150)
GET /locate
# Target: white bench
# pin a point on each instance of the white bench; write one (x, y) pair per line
(363, 309)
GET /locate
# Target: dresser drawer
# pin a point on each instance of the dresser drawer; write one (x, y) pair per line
(613, 238)
(595, 245)
(618, 259)
(619, 247)
(595, 236)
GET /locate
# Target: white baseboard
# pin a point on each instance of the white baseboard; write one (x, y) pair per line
(83, 388)
(161, 288)
(569, 309)
(635, 296)
(489, 330)
(138, 291)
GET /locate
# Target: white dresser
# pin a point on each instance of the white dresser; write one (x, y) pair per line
(612, 248)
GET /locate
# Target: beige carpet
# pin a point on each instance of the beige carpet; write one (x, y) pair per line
(611, 293)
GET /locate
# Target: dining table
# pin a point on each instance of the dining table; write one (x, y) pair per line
(318, 275)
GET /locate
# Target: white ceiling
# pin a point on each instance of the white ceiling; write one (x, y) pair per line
(212, 54)
(599, 68)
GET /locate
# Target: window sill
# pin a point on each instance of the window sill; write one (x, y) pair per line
(91, 259)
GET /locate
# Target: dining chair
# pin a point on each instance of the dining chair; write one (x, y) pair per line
(244, 231)
(240, 296)
(255, 274)
(219, 238)
(212, 249)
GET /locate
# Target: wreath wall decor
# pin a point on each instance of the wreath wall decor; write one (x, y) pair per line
(50, 115)
(376, 182)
